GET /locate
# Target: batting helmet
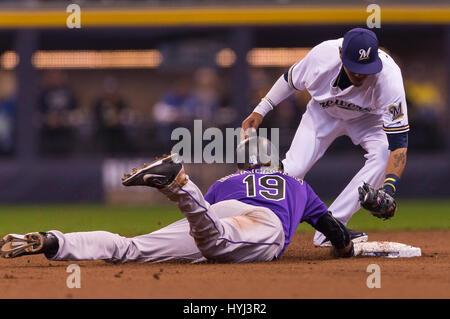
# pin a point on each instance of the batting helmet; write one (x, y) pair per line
(256, 152)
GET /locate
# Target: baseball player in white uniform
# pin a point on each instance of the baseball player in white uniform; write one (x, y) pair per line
(356, 90)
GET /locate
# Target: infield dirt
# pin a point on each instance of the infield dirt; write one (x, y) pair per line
(302, 272)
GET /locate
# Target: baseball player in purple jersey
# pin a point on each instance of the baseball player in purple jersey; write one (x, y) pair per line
(247, 216)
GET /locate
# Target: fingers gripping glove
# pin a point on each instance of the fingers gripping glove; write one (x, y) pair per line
(377, 201)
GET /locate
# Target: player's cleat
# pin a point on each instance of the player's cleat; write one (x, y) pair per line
(16, 245)
(356, 237)
(159, 174)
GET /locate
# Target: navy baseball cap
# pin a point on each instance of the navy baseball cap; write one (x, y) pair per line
(360, 52)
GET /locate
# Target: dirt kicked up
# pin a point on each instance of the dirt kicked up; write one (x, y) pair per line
(303, 272)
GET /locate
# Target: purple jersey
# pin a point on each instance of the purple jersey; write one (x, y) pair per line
(291, 199)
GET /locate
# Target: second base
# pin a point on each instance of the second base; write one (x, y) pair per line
(386, 249)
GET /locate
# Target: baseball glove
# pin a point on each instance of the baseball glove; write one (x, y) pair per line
(379, 203)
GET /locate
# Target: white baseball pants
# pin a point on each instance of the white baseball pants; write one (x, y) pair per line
(228, 231)
(316, 132)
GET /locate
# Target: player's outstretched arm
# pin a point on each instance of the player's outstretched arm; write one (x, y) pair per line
(279, 92)
(397, 162)
(380, 202)
(338, 235)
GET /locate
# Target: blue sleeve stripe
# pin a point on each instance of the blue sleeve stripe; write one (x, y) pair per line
(397, 141)
(286, 75)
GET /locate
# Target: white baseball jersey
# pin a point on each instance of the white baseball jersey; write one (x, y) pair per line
(361, 113)
(380, 93)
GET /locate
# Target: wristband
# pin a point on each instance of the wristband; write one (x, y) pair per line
(279, 92)
(390, 184)
(264, 107)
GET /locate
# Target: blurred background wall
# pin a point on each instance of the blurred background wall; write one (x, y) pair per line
(80, 107)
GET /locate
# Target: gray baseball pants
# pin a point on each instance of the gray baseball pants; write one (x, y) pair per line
(228, 231)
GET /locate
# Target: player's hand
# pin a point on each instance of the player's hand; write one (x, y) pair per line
(346, 252)
(379, 203)
(251, 122)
